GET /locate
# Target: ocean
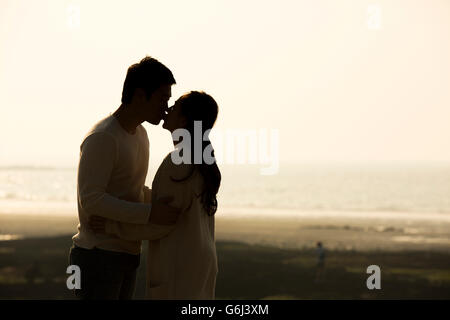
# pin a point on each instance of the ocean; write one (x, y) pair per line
(301, 188)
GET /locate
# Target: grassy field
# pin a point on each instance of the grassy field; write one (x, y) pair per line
(35, 269)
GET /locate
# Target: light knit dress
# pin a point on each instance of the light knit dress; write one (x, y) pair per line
(182, 260)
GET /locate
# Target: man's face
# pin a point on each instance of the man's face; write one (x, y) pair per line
(155, 108)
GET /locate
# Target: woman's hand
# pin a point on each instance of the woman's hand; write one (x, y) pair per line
(97, 224)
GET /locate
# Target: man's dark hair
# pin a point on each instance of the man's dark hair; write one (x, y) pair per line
(149, 74)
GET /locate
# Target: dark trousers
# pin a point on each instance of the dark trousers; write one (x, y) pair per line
(105, 274)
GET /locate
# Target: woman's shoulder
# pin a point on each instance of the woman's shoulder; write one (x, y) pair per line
(178, 171)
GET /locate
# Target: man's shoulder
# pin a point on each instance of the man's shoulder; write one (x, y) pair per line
(142, 129)
(104, 125)
(103, 129)
(142, 133)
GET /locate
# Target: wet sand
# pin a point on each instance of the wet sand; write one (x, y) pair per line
(341, 232)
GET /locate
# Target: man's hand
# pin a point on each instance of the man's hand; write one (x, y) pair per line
(162, 213)
(147, 195)
(97, 224)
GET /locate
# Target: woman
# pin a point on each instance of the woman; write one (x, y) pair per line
(183, 263)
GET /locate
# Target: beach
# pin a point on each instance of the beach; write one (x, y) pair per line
(260, 256)
(35, 269)
(288, 229)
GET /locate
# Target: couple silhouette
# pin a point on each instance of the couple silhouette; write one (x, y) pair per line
(117, 211)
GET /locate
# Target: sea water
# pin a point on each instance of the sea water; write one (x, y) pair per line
(360, 189)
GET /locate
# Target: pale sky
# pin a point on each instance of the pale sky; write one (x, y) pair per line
(340, 82)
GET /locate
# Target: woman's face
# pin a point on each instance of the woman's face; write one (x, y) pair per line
(174, 119)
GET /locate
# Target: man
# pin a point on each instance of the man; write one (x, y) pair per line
(111, 174)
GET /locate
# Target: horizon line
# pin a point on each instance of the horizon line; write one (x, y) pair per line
(289, 163)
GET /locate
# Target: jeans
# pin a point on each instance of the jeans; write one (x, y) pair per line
(105, 275)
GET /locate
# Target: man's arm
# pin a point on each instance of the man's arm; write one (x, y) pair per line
(130, 231)
(97, 159)
(161, 223)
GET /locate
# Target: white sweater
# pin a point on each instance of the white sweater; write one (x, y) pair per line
(113, 167)
(183, 264)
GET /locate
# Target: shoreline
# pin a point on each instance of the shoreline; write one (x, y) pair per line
(343, 232)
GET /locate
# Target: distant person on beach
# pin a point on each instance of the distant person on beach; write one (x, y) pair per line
(112, 169)
(183, 264)
(320, 268)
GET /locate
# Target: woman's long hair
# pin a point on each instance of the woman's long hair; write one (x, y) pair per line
(199, 106)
